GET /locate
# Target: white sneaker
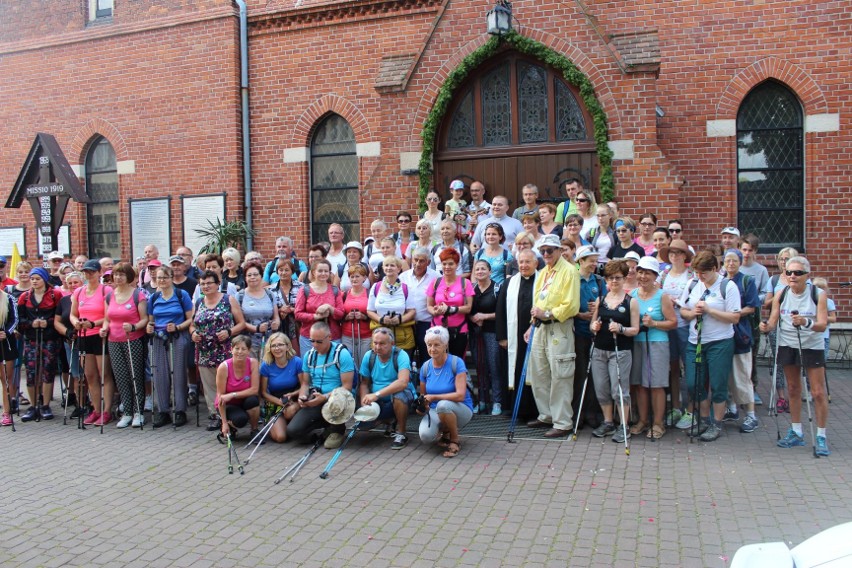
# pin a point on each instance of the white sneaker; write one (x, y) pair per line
(149, 403)
(125, 421)
(138, 420)
(496, 409)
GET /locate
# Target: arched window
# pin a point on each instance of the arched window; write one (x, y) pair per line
(770, 167)
(103, 212)
(334, 179)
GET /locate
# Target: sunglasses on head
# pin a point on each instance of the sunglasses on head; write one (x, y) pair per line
(795, 272)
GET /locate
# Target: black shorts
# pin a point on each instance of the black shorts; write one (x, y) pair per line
(9, 349)
(236, 412)
(814, 358)
(90, 344)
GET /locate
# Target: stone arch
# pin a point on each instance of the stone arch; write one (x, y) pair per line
(793, 76)
(603, 93)
(92, 129)
(308, 120)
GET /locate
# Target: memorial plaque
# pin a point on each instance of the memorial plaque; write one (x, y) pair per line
(198, 211)
(12, 236)
(150, 224)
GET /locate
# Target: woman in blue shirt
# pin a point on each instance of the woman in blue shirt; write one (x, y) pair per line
(279, 381)
(443, 383)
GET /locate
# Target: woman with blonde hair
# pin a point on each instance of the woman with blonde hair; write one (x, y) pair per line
(389, 305)
(279, 381)
(233, 272)
(587, 209)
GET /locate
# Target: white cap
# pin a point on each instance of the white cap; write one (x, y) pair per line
(649, 263)
(731, 231)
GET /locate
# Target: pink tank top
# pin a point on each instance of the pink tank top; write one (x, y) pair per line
(124, 312)
(237, 384)
(91, 307)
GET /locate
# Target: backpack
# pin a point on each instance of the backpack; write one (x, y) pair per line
(242, 294)
(136, 291)
(437, 284)
(666, 271)
(313, 356)
(306, 290)
(481, 252)
(394, 358)
(723, 287)
(814, 295)
(427, 366)
(462, 249)
(342, 267)
(377, 286)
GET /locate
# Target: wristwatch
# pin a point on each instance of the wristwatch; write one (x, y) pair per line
(548, 314)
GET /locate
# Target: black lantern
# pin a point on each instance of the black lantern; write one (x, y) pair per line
(499, 18)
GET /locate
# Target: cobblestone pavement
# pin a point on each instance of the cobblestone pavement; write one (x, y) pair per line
(163, 498)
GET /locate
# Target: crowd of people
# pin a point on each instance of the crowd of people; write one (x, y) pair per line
(612, 324)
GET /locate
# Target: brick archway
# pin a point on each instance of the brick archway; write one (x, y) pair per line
(331, 103)
(602, 91)
(92, 129)
(794, 77)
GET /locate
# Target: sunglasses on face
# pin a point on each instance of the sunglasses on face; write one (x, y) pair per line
(582, 200)
(432, 199)
(795, 272)
(546, 250)
(675, 230)
(622, 231)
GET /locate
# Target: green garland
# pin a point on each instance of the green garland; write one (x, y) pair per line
(541, 52)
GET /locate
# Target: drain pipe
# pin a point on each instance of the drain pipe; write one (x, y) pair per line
(244, 99)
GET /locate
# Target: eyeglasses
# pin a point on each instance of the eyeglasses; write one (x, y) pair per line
(675, 230)
(648, 224)
(318, 341)
(546, 250)
(203, 284)
(622, 230)
(403, 220)
(573, 225)
(278, 346)
(795, 272)
(432, 199)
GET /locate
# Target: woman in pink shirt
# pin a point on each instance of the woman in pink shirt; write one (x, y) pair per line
(356, 323)
(317, 301)
(449, 299)
(125, 318)
(87, 316)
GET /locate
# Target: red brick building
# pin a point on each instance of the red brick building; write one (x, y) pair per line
(718, 113)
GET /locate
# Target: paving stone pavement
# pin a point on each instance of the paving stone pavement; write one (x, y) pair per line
(164, 498)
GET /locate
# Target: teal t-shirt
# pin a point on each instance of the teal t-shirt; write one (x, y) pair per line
(383, 374)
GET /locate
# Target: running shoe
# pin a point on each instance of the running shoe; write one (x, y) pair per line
(673, 417)
(30, 414)
(104, 419)
(400, 440)
(731, 416)
(46, 413)
(685, 421)
(214, 424)
(701, 427)
(604, 430)
(138, 420)
(757, 400)
(91, 418)
(618, 436)
(711, 433)
(749, 425)
(791, 440)
(782, 406)
(6, 420)
(822, 447)
(333, 441)
(125, 421)
(496, 409)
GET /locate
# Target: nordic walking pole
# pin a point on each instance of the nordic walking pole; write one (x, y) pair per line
(171, 365)
(807, 387)
(153, 364)
(233, 449)
(298, 465)
(699, 360)
(773, 411)
(519, 390)
(585, 384)
(82, 398)
(136, 408)
(262, 434)
(67, 388)
(620, 395)
(39, 365)
(8, 400)
(324, 474)
(103, 372)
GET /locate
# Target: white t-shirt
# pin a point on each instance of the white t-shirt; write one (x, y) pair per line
(336, 260)
(712, 328)
(588, 225)
(673, 286)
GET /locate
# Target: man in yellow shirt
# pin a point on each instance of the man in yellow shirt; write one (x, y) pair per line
(556, 301)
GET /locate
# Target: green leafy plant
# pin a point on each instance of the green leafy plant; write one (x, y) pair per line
(541, 52)
(221, 235)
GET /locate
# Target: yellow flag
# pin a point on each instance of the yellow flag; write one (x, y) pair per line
(16, 259)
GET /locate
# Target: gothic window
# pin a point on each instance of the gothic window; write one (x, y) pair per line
(770, 167)
(103, 211)
(515, 102)
(334, 179)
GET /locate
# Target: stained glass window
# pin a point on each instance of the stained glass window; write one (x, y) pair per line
(570, 124)
(334, 179)
(770, 167)
(532, 103)
(496, 108)
(103, 211)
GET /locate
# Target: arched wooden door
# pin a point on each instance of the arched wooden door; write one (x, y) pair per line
(516, 121)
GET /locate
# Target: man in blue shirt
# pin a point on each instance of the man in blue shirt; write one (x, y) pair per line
(327, 366)
(385, 373)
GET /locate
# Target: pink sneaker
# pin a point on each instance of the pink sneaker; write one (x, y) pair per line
(104, 419)
(6, 420)
(91, 418)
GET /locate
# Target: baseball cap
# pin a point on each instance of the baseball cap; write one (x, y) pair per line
(177, 258)
(55, 255)
(457, 184)
(92, 265)
(731, 231)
